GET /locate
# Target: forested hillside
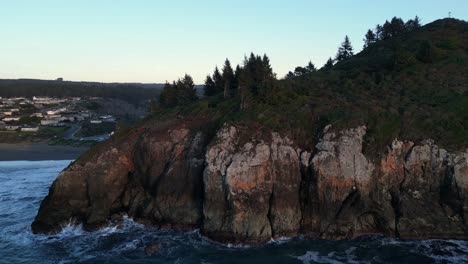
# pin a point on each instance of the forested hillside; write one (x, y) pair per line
(409, 81)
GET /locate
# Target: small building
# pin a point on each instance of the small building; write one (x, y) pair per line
(30, 129)
(50, 122)
(11, 128)
(9, 119)
(95, 121)
(40, 98)
(40, 115)
(108, 118)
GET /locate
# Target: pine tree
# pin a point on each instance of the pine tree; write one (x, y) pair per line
(168, 97)
(386, 30)
(311, 67)
(416, 22)
(299, 71)
(267, 70)
(369, 38)
(185, 90)
(397, 26)
(235, 81)
(378, 32)
(329, 64)
(228, 77)
(413, 24)
(218, 80)
(210, 87)
(178, 93)
(345, 51)
(256, 79)
(289, 75)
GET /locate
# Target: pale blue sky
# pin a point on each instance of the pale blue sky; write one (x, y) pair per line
(154, 41)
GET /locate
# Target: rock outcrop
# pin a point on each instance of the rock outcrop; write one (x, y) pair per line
(252, 189)
(245, 186)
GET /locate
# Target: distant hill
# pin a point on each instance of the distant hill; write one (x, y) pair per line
(135, 93)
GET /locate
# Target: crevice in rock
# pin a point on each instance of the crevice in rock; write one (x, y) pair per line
(350, 200)
(154, 186)
(449, 193)
(270, 213)
(226, 193)
(396, 205)
(308, 193)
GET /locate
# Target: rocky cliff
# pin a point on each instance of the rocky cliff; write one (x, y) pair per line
(247, 186)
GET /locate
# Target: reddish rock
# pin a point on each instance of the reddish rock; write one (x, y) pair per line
(246, 186)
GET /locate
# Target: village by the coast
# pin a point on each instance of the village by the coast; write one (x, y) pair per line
(66, 116)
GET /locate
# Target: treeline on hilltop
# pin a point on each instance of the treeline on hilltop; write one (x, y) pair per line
(132, 93)
(253, 80)
(409, 82)
(249, 82)
(394, 29)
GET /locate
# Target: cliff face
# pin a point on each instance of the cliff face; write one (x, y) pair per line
(248, 187)
(252, 189)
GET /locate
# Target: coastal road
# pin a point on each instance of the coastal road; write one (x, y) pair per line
(70, 133)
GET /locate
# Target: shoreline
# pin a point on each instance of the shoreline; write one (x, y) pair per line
(39, 151)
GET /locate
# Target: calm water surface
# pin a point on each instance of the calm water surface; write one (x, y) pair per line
(23, 184)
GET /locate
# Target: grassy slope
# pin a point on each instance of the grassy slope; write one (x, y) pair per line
(387, 87)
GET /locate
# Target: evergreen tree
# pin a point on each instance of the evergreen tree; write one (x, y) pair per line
(311, 67)
(329, 64)
(413, 24)
(228, 77)
(299, 71)
(397, 27)
(210, 87)
(345, 51)
(369, 38)
(378, 32)
(178, 93)
(168, 96)
(289, 75)
(255, 80)
(416, 22)
(235, 81)
(267, 70)
(186, 92)
(218, 80)
(386, 30)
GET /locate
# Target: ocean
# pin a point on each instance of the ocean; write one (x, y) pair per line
(23, 184)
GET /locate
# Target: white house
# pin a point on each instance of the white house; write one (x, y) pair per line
(50, 122)
(9, 119)
(40, 115)
(30, 129)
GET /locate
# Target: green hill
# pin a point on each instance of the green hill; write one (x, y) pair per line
(413, 86)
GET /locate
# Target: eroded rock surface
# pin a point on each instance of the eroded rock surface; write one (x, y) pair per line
(248, 187)
(251, 189)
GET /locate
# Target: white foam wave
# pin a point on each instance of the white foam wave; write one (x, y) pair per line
(333, 257)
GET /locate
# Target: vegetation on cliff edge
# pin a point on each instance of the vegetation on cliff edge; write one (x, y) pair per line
(408, 82)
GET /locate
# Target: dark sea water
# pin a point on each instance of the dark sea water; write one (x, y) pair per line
(23, 184)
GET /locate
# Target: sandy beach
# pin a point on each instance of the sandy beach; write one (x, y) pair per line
(39, 151)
